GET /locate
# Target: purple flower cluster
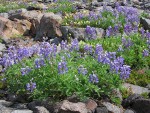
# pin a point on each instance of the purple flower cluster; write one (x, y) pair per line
(88, 49)
(91, 32)
(145, 53)
(25, 71)
(116, 63)
(62, 67)
(93, 78)
(31, 86)
(74, 45)
(126, 42)
(39, 62)
(82, 70)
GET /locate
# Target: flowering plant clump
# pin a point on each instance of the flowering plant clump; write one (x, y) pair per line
(122, 19)
(135, 50)
(62, 6)
(43, 72)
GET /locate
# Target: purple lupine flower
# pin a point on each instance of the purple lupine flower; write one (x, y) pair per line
(82, 70)
(145, 53)
(91, 32)
(63, 45)
(142, 31)
(31, 86)
(45, 49)
(88, 49)
(109, 31)
(39, 62)
(125, 72)
(62, 67)
(25, 71)
(111, 55)
(128, 28)
(148, 35)
(93, 78)
(98, 49)
(75, 44)
(126, 42)
(120, 49)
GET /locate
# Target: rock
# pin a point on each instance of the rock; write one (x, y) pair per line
(7, 29)
(136, 89)
(137, 103)
(69, 107)
(23, 26)
(40, 109)
(34, 17)
(2, 47)
(148, 86)
(32, 105)
(129, 111)
(22, 111)
(56, 41)
(49, 26)
(145, 22)
(79, 33)
(112, 108)
(91, 105)
(5, 15)
(101, 110)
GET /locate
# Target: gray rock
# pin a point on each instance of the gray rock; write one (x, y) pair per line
(56, 41)
(101, 110)
(2, 47)
(136, 89)
(129, 111)
(112, 108)
(40, 109)
(5, 15)
(22, 111)
(79, 33)
(145, 22)
(137, 103)
(49, 26)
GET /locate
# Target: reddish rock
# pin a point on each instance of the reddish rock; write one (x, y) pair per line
(91, 105)
(7, 28)
(69, 107)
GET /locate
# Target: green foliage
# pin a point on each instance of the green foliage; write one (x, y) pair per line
(145, 15)
(107, 19)
(51, 84)
(63, 6)
(140, 77)
(145, 95)
(132, 55)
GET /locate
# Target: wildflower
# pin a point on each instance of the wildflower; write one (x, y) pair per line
(75, 44)
(93, 78)
(25, 71)
(145, 53)
(125, 72)
(91, 32)
(31, 86)
(62, 67)
(82, 70)
(98, 49)
(39, 62)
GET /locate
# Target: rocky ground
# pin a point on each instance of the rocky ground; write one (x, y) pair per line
(32, 22)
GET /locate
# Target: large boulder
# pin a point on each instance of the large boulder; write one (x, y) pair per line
(23, 26)
(32, 16)
(7, 29)
(137, 103)
(49, 26)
